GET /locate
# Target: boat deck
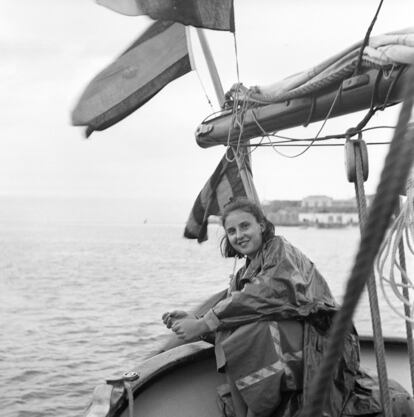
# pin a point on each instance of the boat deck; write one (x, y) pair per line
(189, 387)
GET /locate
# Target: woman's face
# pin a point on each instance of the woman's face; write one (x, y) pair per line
(244, 232)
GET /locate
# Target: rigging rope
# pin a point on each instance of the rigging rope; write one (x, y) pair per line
(204, 89)
(287, 144)
(394, 174)
(327, 137)
(338, 93)
(366, 39)
(237, 58)
(238, 116)
(372, 289)
(288, 140)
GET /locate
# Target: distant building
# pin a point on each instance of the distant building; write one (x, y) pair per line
(313, 210)
(324, 211)
(317, 201)
(276, 205)
(284, 217)
(350, 202)
(328, 219)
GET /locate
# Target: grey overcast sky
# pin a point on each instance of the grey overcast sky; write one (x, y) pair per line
(50, 50)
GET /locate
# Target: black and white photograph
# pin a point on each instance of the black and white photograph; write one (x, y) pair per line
(206, 208)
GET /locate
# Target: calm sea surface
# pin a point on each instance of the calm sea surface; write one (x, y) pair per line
(80, 302)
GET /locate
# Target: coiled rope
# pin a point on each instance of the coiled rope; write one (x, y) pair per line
(402, 229)
(237, 121)
(394, 174)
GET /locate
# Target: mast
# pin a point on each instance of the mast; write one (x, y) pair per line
(241, 153)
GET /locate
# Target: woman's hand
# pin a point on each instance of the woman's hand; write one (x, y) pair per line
(190, 329)
(168, 318)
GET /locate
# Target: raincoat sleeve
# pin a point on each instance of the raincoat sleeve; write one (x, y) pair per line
(283, 284)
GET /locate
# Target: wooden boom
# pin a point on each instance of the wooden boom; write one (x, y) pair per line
(357, 93)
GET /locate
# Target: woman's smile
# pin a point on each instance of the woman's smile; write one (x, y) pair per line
(244, 232)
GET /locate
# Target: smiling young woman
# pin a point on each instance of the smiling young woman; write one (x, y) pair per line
(271, 329)
(244, 232)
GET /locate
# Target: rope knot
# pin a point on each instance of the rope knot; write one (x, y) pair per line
(352, 131)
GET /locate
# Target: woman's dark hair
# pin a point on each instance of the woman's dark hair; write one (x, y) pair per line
(248, 206)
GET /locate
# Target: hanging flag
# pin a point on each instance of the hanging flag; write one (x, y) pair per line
(224, 184)
(209, 14)
(157, 57)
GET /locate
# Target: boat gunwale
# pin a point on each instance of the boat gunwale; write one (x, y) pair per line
(156, 366)
(148, 371)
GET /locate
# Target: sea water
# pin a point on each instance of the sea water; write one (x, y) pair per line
(82, 301)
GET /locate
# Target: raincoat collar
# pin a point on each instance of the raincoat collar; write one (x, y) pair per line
(253, 266)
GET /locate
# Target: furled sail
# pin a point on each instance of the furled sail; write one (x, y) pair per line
(333, 87)
(383, 50)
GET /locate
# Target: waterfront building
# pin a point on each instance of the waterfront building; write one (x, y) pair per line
(285, 217)
(317, 201)
(328, 219)
(313, 210)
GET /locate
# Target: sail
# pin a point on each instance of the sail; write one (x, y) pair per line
(223, 185)
(209, 14)
(157, 57)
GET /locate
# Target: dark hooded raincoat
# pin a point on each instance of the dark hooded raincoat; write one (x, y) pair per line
(271, 332)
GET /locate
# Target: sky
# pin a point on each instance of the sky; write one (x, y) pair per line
(51, 49)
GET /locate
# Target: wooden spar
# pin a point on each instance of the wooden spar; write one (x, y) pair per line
(239, 154)
(211, 65)
(356, 94)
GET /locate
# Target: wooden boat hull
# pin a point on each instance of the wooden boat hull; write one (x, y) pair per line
(187, 390)
(183, 382)
(398, 366)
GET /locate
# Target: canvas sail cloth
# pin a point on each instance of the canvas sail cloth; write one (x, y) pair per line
(157, 57)
(396, 48)
(224, 184)
(209, 14)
